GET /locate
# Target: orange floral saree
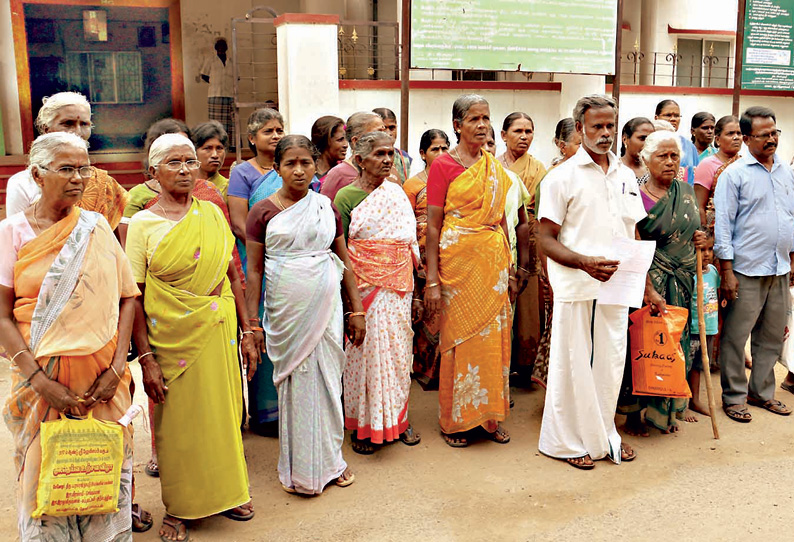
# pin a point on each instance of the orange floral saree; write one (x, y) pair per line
(474, 256)
(74, 349)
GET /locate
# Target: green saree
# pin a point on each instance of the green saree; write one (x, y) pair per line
(671, 223)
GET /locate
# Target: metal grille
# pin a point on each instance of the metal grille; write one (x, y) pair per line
(254, 57)
(369, 50)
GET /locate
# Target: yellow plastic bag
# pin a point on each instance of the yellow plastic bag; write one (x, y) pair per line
(80, 467)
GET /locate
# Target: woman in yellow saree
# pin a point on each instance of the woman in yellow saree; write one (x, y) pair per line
(469, 278)
(186, 333)
(66, 302)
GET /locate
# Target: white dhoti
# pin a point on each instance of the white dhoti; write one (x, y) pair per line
(588, 353)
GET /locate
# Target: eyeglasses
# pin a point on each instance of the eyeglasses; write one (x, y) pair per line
(176, 165)
(769, 135)
(67, 172)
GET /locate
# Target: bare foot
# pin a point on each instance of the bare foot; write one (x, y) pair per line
(688, 416)
(672, 429)
(748, 362)
(699, 408)
(173, 529)
(635, 427)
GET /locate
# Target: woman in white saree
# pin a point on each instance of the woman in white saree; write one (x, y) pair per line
(295, 235)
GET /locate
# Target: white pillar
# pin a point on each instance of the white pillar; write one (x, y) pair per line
(308, 78)
(9, 90)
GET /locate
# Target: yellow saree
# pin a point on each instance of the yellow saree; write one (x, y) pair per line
(74, 350)
(194, 337)
(529, 309)
(474, 256)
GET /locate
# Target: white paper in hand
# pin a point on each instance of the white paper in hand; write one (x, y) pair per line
(627, 286)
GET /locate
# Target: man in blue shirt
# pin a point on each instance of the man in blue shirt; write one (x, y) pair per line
(754, 240)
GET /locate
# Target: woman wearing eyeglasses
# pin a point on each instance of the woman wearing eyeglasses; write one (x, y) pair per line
(186, 330)
(68, 352)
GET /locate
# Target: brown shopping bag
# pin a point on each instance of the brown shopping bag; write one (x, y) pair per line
(658, 366)
(80, 467)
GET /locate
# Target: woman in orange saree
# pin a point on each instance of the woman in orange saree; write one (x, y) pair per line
(469, 279)
(66, 302)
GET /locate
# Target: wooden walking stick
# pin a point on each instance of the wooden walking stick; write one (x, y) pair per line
(704, 351)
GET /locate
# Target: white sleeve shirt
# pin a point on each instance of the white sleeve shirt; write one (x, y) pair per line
(591, 208)
(21, 192)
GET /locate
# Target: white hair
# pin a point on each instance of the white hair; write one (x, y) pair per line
(54, 103)
(655, 139)
(664, 125)
(163, 145)
(45, 147)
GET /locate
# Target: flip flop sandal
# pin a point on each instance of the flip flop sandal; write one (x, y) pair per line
(500, 436)
(175, 524)
(455, 442)
(138, 524)
(409, 437)
(737, 413)
(773, 405)
(289, 490)
(573, 461)
(630, 455)
(350, 479)
(153, 471)
(231, 514)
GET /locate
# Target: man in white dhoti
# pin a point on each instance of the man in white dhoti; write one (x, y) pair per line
(585, 203)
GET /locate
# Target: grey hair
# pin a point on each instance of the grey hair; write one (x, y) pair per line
(655, 139)
(663, 125)
(592, 101)
(367, 142)
(357, 124)
(163, 145)
(462, 105)
(46, 146)
(54, 103)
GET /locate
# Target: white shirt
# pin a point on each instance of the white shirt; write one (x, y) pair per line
(591, 209)
(221, 77)
(21, 192)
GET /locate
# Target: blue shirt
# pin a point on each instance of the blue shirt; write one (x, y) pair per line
(754, 217)
(711, 281)
(689, 159)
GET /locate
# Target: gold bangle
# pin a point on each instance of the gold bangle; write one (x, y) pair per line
(115, 372)
(511, 277)
(522, 269)
(352, 314)
(14, 357)
(150, 353)
(431, 285)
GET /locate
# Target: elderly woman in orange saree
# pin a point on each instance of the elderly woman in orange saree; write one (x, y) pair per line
(469, 278)
(66, 302)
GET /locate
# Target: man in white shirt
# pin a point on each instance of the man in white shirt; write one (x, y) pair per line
(219, 73)
(585, 203)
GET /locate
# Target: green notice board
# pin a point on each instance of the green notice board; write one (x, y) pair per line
(572, 36)
(768, 41)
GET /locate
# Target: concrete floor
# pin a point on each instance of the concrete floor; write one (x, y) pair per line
(681, 487)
